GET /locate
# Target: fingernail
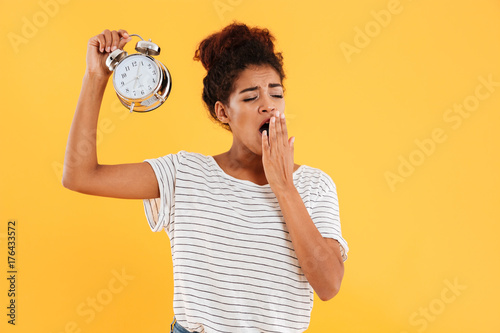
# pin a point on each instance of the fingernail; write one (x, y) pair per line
(282, 116)
(107, 49)
(113, 48)
(273, 119)
(125, 34)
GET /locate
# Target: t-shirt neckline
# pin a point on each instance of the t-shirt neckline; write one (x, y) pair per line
(244, 181)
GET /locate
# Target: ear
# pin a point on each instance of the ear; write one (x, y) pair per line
(221, 112)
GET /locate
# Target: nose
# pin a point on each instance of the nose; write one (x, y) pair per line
(267, 106)
(271, 110)
(268, 109)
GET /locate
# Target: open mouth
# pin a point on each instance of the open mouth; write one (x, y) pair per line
(263, 128)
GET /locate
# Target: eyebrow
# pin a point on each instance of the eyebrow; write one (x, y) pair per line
(271, 85)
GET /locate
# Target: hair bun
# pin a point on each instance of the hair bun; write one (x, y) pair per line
(216, 47)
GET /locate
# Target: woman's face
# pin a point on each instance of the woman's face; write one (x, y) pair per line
(257, 96)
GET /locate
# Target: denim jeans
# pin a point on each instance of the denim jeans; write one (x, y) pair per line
(175, 327)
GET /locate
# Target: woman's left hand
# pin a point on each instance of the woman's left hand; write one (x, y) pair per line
(277, 155)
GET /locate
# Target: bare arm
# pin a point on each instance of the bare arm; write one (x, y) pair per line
(319, 257)
(82, 172)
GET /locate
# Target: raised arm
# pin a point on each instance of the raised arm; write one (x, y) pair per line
(82, 172)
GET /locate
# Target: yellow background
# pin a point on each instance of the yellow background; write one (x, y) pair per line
(354, 116)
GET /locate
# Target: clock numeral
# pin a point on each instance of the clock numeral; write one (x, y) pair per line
(149, 87)
(142, 92)
(142, 63)
(122, 83)
(154, 72)
(127, 68)
(127, 90)
(134, 64)
(124, 75)
(154, 81)
(134, 93)
(149, 65)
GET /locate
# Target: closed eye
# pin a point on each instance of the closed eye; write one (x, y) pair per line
(253, 98)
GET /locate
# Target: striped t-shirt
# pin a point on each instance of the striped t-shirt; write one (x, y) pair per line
(235, 269)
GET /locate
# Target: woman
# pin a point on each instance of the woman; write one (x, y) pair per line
(252, 233)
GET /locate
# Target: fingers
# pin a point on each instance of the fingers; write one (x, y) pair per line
(278, 133)
(272, 132)
(125, 38)
(108, 39)
(115, 40)
(112, 40)
(265, 143)
(273, 140)
(282, 129)
(102, 42)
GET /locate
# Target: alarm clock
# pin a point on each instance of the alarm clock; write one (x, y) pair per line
(141, 82)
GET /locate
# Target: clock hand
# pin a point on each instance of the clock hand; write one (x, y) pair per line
(135, 78)
(137, 75)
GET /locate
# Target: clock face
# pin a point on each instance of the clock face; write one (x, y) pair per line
(136, 76)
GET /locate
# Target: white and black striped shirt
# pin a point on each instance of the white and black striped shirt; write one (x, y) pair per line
(235, 269)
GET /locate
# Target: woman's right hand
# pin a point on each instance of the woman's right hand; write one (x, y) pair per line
(99, 48)
(82, 172)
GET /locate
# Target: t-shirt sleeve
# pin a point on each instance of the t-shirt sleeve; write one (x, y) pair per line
(159, 211)
(325, 213)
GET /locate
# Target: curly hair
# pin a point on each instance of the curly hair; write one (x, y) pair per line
(225, 54)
